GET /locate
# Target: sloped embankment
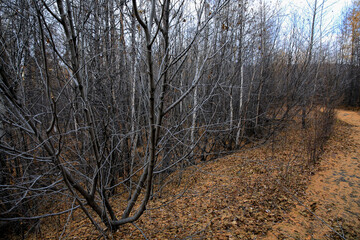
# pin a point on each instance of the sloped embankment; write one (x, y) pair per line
(240, 196)
(252, 194)
(331, 208)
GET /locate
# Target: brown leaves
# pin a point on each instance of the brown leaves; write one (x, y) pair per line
(235, 197)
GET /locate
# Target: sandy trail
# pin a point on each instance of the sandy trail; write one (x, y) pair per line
(333, 197)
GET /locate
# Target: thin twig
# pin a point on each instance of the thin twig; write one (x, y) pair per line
(138, 228)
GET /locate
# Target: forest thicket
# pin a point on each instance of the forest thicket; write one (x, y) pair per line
(102, 98)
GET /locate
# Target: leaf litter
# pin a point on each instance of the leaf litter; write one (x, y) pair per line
(252, 194)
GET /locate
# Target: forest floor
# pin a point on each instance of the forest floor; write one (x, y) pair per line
(331, 207)
(264, 192)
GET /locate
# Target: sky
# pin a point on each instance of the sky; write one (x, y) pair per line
(332, 9)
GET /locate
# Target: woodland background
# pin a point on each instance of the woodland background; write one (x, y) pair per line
(108, 98)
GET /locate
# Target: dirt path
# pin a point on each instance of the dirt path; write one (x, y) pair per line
(333, 197)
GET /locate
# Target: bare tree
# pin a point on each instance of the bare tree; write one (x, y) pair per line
(99, 98)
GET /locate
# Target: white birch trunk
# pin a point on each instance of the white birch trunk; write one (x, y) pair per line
(241, 72)
(195, 104)
(240, 103)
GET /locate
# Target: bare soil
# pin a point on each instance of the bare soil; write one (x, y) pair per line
(331, 209)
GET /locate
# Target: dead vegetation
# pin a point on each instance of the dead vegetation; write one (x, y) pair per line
(239, 196)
